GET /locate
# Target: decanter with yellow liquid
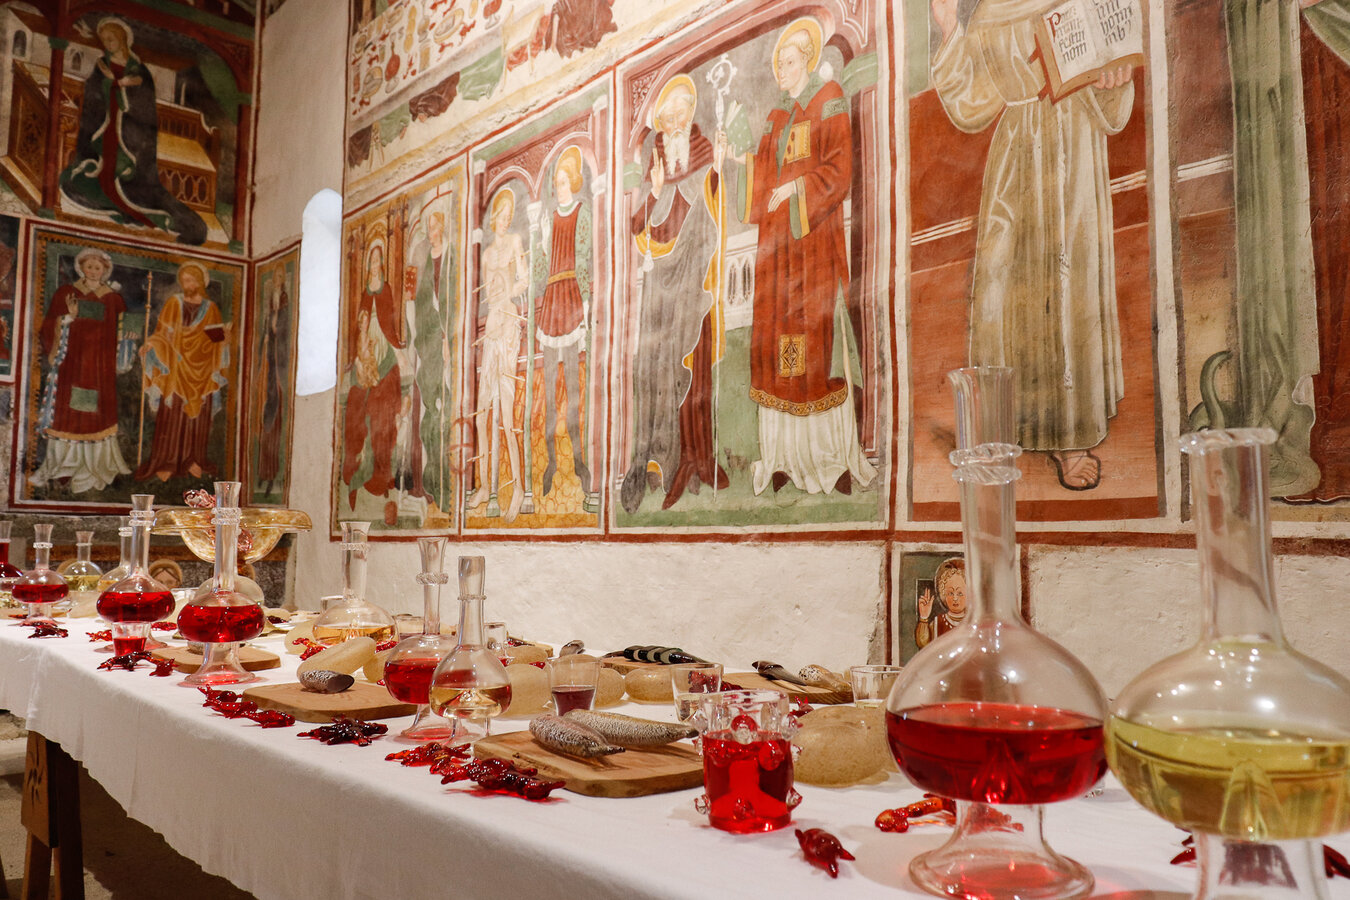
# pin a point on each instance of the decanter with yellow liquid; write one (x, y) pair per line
(470, 686)
(1241, 739)
(353, 616)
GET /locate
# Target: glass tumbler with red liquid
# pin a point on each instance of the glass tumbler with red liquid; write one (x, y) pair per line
(40, 588)
(572, 680)
(408, 670)
(136, 601)
(745, 738)
(991, 713)
(222, 618)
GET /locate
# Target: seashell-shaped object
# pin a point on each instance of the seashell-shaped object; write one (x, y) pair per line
(323, 681)
(571, 647)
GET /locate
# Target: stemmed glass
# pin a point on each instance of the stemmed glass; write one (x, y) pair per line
(408, 670)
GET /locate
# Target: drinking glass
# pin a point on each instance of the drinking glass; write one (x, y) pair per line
(498, 641)
(745, 738)
(572, 681)
(407, 625)
(689, 682)
(872, 684)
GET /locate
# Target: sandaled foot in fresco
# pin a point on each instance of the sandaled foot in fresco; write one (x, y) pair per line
(513, 506)
(1077, 470)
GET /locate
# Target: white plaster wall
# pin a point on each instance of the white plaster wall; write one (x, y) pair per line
(300, 140)
(1120, 610)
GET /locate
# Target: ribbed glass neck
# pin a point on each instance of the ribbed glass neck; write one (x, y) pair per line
(84, 543)
(988, 529)
(142, 517)
(226, 520)
(42, 547)
(354, 550)
(432, 578)
(471, 575)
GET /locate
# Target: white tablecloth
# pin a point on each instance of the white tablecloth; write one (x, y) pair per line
(292, 819)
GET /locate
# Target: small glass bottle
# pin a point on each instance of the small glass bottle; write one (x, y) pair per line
(42, 587)
(408, 670)
(470, 685)
(1241, 739)
(9, 573)
(134, 603)
(82, 575)
(222, 618)
(353, 615)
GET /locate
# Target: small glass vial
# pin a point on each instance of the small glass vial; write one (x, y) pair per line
(42, 587)
(471, 685)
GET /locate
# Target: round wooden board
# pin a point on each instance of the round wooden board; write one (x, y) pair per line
(362, 700)
(189, 661)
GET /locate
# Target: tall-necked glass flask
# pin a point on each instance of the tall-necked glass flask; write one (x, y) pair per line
(136, 600)
(41, 587)
(992, 713)
(354, 615)
(470, 686)
(1241, 739)
(410, 665)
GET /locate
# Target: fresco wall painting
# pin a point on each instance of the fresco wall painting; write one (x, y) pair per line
(270, 366)
(130, 374)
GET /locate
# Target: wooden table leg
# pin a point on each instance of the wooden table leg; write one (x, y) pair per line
(51, 813)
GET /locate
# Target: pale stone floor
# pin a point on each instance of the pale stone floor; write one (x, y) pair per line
(123, 859)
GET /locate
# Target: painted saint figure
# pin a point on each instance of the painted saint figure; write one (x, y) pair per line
(79, 343)
(428, 305)
(114, 170)
(1044, 293)
(276, 368)
(505, 277)
(184, 365)
(939, 615)
(564, 309)
(375, 401)
(680, 337)
(793, 188)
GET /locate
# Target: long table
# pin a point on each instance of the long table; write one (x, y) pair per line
(293, 819)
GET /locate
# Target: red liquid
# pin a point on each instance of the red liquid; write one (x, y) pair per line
(134, 606)
(40, 593)
(409, 680)
(220, 624)
(570, 697)
(998, 752)
(129, 644)
(747, 784)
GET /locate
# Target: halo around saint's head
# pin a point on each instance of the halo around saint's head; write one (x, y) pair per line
(114, 22)
(809, 26)
(678, 84)
(569, 161)
(201, 272)
(503, 204)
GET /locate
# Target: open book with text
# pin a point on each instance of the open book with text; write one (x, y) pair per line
(1079, 39)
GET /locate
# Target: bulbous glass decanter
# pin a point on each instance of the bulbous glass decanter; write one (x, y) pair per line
(470, 685)
(353, 616)
(137, 600)
(223, 618)
(123, 567)
(993, 714)
(41, 587)
(83, 574)
(411, 664)
(1241, 739)
(9, 573)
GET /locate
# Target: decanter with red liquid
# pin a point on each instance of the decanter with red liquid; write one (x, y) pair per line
(1241, 739)
(470, 685)
(136, 602)
(223, 618)
(42, 587)
(993, 714)
(353, 615)
(9, 573)
(408, 670)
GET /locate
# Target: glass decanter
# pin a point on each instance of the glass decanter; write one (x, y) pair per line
(408, 670)
(470, 685)
(222, 618)
(1241, 739)
(353, 615)
(9, 573)
(123, 567)
(83, 575)
(993, 714)
(42, 587)
(136, 601)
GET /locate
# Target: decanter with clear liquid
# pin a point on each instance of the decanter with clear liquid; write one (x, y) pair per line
(470, 685)
(993, 714)
(411, 664)
(83, 574)
(1241, 739)
(353, 615)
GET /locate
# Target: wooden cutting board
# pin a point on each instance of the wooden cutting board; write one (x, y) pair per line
(189, 661)
(624, 666)
(753, 681)
(362, 701)
(632, 773)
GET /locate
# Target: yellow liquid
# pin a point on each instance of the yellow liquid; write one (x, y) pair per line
(81, 583)
(473, 704)
(1248, 784)
(327, 635)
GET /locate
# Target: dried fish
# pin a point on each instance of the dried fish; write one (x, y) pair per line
(774, 672)
(324, 681)
(630, 731)
(562, 736)
(821, 677)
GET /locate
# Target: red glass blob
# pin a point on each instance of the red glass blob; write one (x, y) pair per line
(31, 592)
(409, 680)
(220, 624)
(747, 784)
(134, 606)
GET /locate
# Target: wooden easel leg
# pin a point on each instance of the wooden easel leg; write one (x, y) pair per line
(51, 813)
